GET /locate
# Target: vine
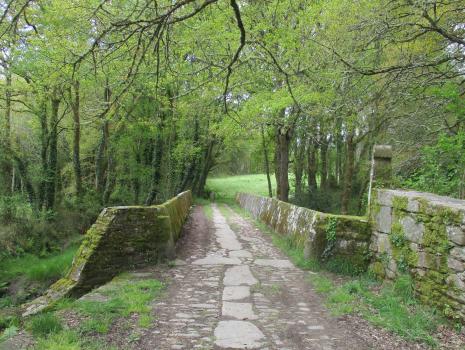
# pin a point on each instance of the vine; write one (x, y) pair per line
(330, 229)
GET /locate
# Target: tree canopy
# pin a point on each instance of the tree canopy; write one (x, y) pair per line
(132, 101)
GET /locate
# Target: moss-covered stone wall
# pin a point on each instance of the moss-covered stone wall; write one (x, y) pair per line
(322, 236)
(423, 235)
(121, 238)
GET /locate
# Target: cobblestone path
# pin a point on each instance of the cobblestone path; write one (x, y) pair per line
(232, 289)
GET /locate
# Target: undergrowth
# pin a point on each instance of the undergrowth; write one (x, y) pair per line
(35, 268)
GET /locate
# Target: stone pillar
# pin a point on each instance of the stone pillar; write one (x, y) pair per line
(381, 170)
(381, 166)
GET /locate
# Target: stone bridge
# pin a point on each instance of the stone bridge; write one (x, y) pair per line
(231, 288)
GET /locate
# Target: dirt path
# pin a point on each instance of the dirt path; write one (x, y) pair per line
(233, 290)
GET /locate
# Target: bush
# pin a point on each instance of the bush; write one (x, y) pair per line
(442, 167)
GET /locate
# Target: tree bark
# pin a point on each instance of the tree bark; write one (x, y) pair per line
(284, 134)
(312, 167)
(53, 154)
(44, 138)
(299, 169)
(111, 179)
(75, 105)
(348, 174)
(277, 162)
(267, 164)
(101, 156)
(156, 168)
(188, 178)
(8, 165)
(207, 165)
(339, 146)
(23, 173)
(324, 162)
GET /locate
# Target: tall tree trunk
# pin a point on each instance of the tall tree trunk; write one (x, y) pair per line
(75, 105)
(156, 168)
(7, 161)
(101, 158)
(44, 141)
(111, 179)
(339, 150)
(188, 177)
(348, 174)
(324, 162)
(22, 169)
(53, 154)
(277, 162)
(267, 163)
(135, 179)
(312, 167)
(299, 170)
(284, 138)
(207, 165)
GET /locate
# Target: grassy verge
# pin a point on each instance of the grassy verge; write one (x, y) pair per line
(122, 299)
(389, 305)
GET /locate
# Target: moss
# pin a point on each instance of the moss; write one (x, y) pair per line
(433, 287)
(122, 238)
(375, 206)
(403, 255)
(400, 204)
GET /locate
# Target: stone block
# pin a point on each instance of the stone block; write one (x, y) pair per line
(455, 280)
(428, 261)
(384, 198)
(384, 245)
(383, 220)
(456, 234)
(390, 274)
(413, 206)
(382, 151)
(414, 247)
(455, 264)
(458, 253)
(413, 231)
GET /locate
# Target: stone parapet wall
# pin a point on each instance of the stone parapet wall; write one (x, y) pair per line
(423, 235)
(121, 238)
(322, 236)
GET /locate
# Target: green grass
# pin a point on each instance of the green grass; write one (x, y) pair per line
(126, 297)
(43, 324)
(391, 305)
(37, 269)
(70, 340)
(64, 340)
(225, 188)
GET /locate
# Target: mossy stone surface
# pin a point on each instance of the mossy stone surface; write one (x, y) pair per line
(122, 238)
(308, 228)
